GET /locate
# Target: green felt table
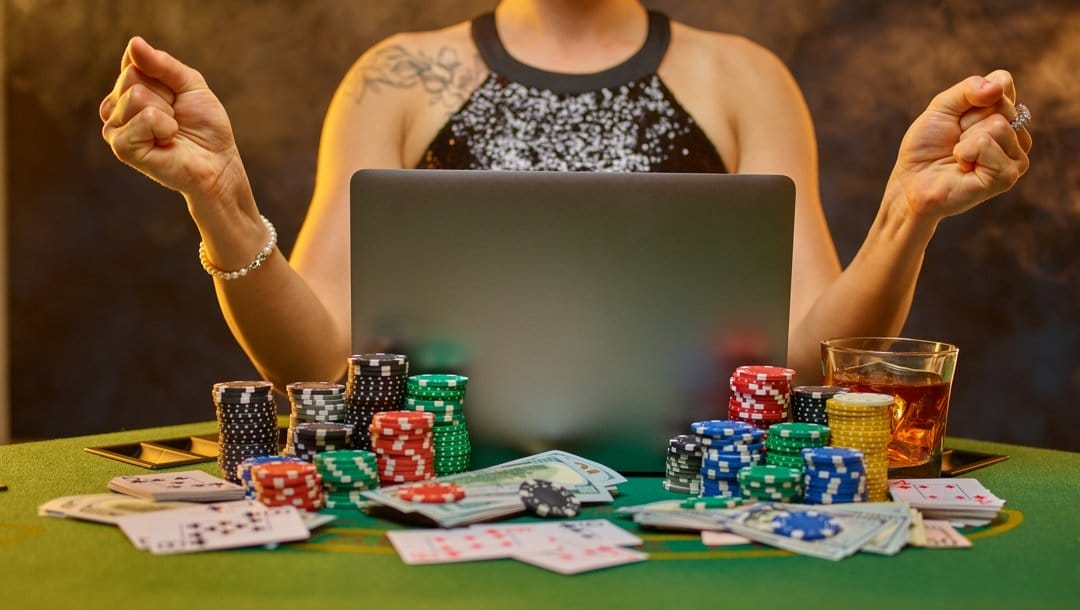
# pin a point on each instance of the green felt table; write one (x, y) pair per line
(1029, 558)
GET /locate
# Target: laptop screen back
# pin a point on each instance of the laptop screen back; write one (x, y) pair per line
(595, 313)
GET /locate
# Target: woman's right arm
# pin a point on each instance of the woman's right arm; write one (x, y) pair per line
(291, 320)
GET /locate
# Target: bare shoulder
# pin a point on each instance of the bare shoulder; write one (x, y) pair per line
(437, 67)
(730, 55)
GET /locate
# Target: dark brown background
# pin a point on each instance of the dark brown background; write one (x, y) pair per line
(114, 325)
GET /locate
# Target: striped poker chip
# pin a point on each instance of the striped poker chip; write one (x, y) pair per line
(719, 428)
(764, 373)
(431, 493)
(805, 525)
(439, 381)
(548, 499)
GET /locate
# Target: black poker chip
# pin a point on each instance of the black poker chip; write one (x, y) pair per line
(547, 499)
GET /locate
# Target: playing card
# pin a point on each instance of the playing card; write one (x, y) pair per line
(569, 558)
(710, 538)
(213, 527)
(103, 508)
(418, 547)
(942, 535)
(963, 501)
(188, 485)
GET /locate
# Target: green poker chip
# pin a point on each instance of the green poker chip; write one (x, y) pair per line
(711, 502)
(438, 380)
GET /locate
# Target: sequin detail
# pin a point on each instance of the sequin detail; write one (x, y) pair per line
(637, 127)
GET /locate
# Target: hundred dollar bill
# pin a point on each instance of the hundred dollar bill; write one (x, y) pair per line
(597, 472)
(489, 493)
(857, 527)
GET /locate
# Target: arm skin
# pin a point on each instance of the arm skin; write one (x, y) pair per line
(292, 317)
(959, 152)
(292, 321)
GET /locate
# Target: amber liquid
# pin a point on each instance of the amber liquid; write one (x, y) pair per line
(918, 418)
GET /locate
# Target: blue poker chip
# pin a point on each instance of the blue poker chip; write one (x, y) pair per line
(723, 428)
(832, 456)
(805, 525)
(824, 498)
(712, 452)
(712, 488)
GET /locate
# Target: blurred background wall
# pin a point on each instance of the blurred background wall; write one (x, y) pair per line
(114, 325)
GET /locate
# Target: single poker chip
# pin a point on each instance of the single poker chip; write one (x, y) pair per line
(432, 493)
(378, 359)
(858, 401)
(547, 499)
(764, 373)
(439, 381)
(314, 388)
(708, 503)
(818, 391)
(244, 386)
(805, 525)
(282, 470)
(798, 431)
(723, 429)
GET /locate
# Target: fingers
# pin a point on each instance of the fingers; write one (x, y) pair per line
(132, 140)
(131, 77)
(161, 66)
(972, 92)
(993, 147)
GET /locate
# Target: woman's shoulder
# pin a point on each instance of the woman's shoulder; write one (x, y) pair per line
(720, 52)
(418, 65)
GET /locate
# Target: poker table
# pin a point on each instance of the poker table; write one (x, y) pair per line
(1028, 558)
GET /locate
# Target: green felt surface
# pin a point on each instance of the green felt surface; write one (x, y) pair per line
(1031, 559)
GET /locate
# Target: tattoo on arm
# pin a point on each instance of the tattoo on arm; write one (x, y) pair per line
(447, 79)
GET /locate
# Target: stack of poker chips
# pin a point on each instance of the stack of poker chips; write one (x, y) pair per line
(247, 423)
(402, 443)
(682, 468)
(314, 401)
(863, 421)
(833, 475)
(771, 483)
(288, 484)
(375, 382)
(760, 394)
(808, 402)
(727, 447)
(312, 438)
(785, 442)
(243, 471)
(346, 473)
(444, 397)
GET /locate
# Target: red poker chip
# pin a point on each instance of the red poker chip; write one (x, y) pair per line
(283, 471)
(403, 419)
(762, 372)
(757, 405)
(759, 388)
(391, 460)
(394, 434)
(405, 453)
(758, 417)
(432, 493)
(284, 483)
(393, 445)
(406, 477)
(310, 505)
(289, 493)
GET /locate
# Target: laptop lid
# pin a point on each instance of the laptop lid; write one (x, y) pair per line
(597, 313)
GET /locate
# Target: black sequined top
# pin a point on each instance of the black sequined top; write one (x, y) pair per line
(623, 119)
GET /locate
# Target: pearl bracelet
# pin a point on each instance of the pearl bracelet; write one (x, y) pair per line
(260, 258)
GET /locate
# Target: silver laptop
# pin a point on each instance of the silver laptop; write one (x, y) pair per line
(597, 313)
